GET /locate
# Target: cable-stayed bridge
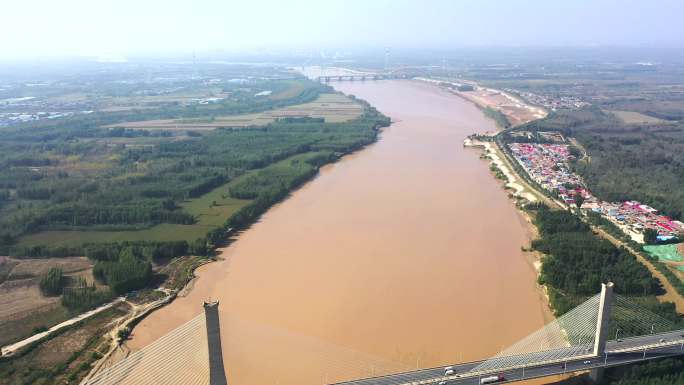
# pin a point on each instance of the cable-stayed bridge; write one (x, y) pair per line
(606, 330)
(189, 355)
(577, 341)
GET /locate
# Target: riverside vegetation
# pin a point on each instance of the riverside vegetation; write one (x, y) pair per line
(132, 199)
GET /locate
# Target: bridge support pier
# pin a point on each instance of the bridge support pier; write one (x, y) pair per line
(603, 322)
(602, 325)
(217, 374)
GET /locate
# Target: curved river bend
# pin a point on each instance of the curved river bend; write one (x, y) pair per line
(404, 254)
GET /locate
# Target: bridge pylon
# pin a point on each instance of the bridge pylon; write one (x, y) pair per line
(602, 325)
(217, 374)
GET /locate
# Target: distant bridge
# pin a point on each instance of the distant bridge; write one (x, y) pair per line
(363, 77)
(577, 341)
(396, 73)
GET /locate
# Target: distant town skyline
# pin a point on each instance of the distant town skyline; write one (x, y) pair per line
(39, 28)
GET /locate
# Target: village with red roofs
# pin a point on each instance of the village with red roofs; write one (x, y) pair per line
(548, 165)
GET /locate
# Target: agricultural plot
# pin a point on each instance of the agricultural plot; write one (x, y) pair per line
(211, 211)
(66, 357)
(23, 308)
(332, 107)
(632, 117)
(514, 109)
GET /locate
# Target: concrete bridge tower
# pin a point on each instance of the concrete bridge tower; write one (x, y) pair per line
(602, 325)
(217, 375)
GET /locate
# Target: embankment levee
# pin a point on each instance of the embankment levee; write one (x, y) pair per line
(511, 181)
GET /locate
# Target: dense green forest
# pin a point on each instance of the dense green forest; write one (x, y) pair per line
(52, 283)
(643, 162)
(576, 261)
(74, 175)
(129, 271)
(79, 180)
(668, 371)
(84, 296)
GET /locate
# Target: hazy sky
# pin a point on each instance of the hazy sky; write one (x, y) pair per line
(93, 27)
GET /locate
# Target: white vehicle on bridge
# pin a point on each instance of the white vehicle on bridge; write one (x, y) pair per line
(492, 379)
(449, 371)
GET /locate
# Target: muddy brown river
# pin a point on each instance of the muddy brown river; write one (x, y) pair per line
(405, 254)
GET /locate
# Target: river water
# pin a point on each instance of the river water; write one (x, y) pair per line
(405, 254)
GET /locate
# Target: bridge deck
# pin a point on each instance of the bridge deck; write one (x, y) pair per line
(619, 352)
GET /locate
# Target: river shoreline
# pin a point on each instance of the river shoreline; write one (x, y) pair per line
(260, 324)
(533, 258)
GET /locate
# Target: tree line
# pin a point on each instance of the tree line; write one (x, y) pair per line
(122, 198)
(576, 261)
(129, 271)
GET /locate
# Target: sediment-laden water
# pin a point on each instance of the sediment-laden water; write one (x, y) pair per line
(405, 254)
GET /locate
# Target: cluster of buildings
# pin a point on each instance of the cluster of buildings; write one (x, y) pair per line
(547, 164)
(552, 103)
(157, 92)
(9, 118)
(31, 109)
(634, 217)
(209, 100)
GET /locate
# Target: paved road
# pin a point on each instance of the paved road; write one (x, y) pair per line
(620, 352)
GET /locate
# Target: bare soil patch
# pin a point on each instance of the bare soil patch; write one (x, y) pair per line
(67, 357)
(23, 308)
(516, 110)
(38, 267)
(20, 297)
(633, 117)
